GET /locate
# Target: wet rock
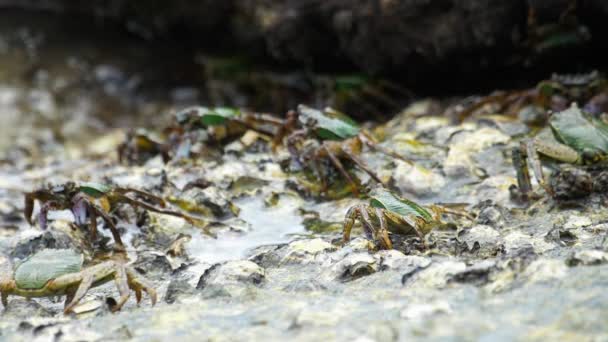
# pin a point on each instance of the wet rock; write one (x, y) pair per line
(210, 200)
(358, 244)
(562, 236)
(22, 308)
(577, 221)
(352, 267)
(305, 285)
(395, 260)
(306, 251)
(477, 274)
(156, 263)
(231, 277)
(415, 179)
(267, 256)
(496, 188)
(543, 270)
(490, 214)
(178, 288)
(482, 240)
(436, 275)
(421, 311)
(459, 161)
(50, 238)
(587, 258)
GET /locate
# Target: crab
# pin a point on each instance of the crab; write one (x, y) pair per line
(141, 145)
(193, 125)
(388, 213)
(328, 136)
(572, 137)
(90, 200)
(553, 94)
(57, 272)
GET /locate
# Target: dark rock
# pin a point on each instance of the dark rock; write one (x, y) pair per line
(49, 239)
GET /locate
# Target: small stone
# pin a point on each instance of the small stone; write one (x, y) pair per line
(176, 289)
(577, 221)
(541, 270)
(481, 239)
(211, 198)
(358, 244)
(414, 179)
(304, 251)
(477, 274)
(587, 258)
(436, 275)
(352, 267)
(238, 272)
(465, 145)
(395, 260)
(420, 311)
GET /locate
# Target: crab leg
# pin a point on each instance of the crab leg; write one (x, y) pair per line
(136, 203)
(412, 223)
(521, 168)
(287, 126)
(85, 285)
(363, 166)
(385, 241)
(369, 142)
(144, 194)
(110, 223)
(292, 140)
(139, 284)
(354, 212)
(120, 278)
(318, 171)
(340, 168)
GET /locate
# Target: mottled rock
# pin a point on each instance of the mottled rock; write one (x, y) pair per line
(542, 270)
(465, 145)
(353, 266)
(476, 274)
(211, 198)
(421, 311)
(481, 239)
(414, 179)
(50, 238)
(177, 288)
(305, 251)
(395, 260)
(587, 258)
(436, 275)
(232, 274)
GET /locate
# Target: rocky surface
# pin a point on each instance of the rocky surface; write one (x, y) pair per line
(268, 263)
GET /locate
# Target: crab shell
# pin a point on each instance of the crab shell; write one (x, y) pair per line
(36, 271)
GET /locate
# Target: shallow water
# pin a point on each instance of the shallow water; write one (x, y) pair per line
(266, 226)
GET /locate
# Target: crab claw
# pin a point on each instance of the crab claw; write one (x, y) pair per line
(42, 217)
(79, 209)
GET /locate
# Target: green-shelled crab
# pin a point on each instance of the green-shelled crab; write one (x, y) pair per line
(193, 125)
(316, 137)
(89, 200)
(388, 213)
(572, 137)
(57, 272)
